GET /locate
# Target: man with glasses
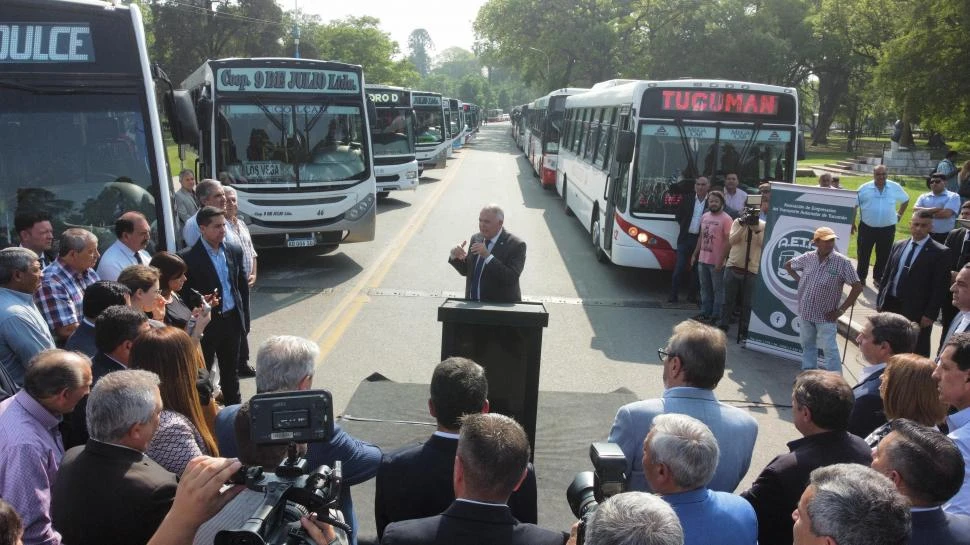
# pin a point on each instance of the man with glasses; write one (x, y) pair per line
(693, 364)
(878, 215)
(959, 244)
(942, 203)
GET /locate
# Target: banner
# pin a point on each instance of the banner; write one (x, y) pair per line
(793, 215)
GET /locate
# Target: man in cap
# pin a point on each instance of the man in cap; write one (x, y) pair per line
(820, 274)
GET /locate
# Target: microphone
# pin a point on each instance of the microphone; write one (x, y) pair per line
(478, 237)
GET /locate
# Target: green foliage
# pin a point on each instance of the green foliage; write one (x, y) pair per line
(420, 47)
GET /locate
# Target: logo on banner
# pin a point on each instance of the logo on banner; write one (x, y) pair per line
(781, 250)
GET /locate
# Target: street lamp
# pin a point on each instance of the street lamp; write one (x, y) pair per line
(547, 60)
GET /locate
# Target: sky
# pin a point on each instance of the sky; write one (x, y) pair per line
(448, 22)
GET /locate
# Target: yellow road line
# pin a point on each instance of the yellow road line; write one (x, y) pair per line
(335, 324)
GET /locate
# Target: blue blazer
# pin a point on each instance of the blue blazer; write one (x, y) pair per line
(735, 430)
(867, 414)
(938, 527)
(708, 516)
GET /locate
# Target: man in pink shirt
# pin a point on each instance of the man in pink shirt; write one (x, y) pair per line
(712, 244)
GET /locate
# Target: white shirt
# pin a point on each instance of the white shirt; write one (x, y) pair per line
(116, 258)
(870, 370)
(695, 220)
(737, 201)
(959, 423)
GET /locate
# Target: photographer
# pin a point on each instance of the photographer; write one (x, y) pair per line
(741, 266)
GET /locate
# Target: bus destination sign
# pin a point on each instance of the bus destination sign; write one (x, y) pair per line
(734, 102)
(22, 43)
(389, 98)
(426, 100)
(286, 81)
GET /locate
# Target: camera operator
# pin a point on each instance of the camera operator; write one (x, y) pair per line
(285, 363)
(632, 518)
(741, 266)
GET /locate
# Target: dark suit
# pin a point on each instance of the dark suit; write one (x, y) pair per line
(921, 291)
(686, 241)
(82, 340)
(227, 329)
(954, 241)
(938, 528)
(470, 524)
(107, 494)
(416, 482)
(867, 412)
(500, 277)
(776, 491)
(74, 427)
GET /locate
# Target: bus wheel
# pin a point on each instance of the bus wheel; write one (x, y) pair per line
(565, 203)
(383, 194)
(595, 234)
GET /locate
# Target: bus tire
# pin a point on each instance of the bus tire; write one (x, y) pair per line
(595, 235)
(565, 203)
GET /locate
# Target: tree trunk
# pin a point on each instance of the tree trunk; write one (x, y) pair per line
(831, 89)
(906, 139)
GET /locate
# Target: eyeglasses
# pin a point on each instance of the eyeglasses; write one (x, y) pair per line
(937, 181)
(662, 352)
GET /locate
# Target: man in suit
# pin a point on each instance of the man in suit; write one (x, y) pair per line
(821, 403)
(415, 481)
(692, 206)
(850, 504)
(679, 457)
(494, 261)
(927, 468)
(960, 297)
(36, 233)
(959, 244)
(215, 265)
(491, 462)
(884, 335)
(133, 492)
(693, 365)
(914, 283)
(97, 297)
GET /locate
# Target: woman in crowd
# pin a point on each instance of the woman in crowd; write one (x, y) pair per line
(178, 314)
(142, 280)
(184, 431)
(908, 391)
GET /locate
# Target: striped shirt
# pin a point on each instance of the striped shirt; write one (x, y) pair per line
(61, 292)
(820, 285)
(238, 227)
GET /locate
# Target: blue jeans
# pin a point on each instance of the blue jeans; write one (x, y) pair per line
(685, 249)
(712, 294)
(825, 333)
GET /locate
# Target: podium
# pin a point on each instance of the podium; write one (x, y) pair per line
(505, 339)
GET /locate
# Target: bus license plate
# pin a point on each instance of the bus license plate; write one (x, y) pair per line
(302, 241)
(264, 169)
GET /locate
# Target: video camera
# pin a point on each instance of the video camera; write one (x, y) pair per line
(289, 492)
(752, 211)
(590, 488)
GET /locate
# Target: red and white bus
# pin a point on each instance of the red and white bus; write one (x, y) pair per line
(543, 128)
(678, 130)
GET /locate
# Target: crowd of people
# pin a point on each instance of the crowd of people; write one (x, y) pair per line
(123, 418)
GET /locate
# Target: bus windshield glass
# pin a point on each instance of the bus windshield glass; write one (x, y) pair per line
(671, 156)
(392, 133)
(291, 143)
(430, 125)
(83, 158)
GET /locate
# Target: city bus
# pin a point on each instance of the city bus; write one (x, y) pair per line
(392, 134)
(682, 129)
(545, 123)
(291, 136)
(473, 120)
(520, 118)
(432, 134)
(79, 121)
(458, 128)
(494, 115)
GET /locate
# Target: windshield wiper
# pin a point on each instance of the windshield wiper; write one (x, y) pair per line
(7, 84)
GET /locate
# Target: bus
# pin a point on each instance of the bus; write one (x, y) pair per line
(494, 115)
(473, 120)
(79, 120)
(520, 118)
(291, 136)
(458, 128)
(545, 123)
(432, 135)
(392, 134)
(676, 131)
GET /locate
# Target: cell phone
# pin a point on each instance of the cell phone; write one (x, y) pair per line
(206, 307)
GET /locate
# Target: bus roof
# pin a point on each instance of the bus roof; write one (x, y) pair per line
(630, 92)
(543, 101)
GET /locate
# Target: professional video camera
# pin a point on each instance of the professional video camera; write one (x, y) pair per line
(752, 211)
(590, 488)
(289, 492)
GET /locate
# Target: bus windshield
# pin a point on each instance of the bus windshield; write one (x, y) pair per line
(430, 126)
(83, 158)
(671, 156)
(291, 143)
(392, 133)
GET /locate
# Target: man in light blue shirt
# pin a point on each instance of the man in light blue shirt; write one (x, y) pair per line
(942, 203)
(878, 215)
(952, 377)
(23, 331)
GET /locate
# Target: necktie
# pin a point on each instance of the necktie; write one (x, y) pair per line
(966, 247)
(477, 275)
(138, 258)
(905, 268)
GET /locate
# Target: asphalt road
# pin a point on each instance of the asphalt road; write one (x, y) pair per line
(372, 306)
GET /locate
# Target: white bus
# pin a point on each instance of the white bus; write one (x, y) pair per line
(458, 128)
(79, 122)
(432, 132)
(676, 131)
(545, 119)
(291, 136)
(393, 137)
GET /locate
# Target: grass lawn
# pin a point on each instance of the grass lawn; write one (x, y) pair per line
(174, 164)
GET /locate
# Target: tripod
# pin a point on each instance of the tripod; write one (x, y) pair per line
(742, 322)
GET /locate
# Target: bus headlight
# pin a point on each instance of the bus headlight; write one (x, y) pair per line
(411, 174)
(358, 210)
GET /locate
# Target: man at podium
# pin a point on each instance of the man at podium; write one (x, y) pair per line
(492, 264)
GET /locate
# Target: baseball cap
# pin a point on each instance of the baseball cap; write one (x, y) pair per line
(824, 233)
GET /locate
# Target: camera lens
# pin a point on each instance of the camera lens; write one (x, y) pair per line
(581, 494)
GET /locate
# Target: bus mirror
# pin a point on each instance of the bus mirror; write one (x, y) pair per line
(181, 117)
(624, 147)
(801, 146)
(371, 113)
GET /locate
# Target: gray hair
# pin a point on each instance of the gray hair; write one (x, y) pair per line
(686, 446)
(702, 350)
(206, 187)
(856, 505)
(119, 401)
(283, 361)
(15, 259)
(634, 518)
(52, 371)
(75, 239)
(228, 189)
(185, 172)
(494, 209)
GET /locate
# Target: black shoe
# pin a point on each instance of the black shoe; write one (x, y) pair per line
(246, 371)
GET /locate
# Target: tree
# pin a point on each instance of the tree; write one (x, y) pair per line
(420, 47)
(357, 40)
